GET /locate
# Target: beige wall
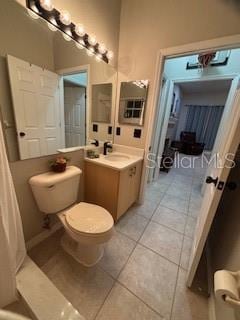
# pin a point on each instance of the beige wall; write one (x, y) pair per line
(36, 47)
(22, 171)
(147, 26)
(68, 56)
(102, 17)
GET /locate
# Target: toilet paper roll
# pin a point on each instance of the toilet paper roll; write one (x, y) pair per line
(225, 284)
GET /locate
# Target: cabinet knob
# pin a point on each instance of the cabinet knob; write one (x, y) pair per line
(22, 134)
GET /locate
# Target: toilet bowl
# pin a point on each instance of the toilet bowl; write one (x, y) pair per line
(87, 226)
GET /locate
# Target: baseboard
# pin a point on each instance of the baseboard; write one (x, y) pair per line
(43, 235)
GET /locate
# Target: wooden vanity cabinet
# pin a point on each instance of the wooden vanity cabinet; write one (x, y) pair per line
(114, 190)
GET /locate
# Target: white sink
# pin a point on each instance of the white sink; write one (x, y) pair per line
(117, 157)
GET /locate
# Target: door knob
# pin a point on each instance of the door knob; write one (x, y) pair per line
(22, 134)
(211, 180)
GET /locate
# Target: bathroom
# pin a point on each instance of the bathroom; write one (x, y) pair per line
(117, 104)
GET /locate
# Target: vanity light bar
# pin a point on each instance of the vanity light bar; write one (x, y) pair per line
(62, 21)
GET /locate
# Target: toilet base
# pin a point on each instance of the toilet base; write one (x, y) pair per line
(87, 255)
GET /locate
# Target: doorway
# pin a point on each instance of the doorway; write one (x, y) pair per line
(74, 105)
(75, 109)
(167, 115)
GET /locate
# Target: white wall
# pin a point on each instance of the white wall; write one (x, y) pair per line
(176, 68)
(147, 26)
(209, 98)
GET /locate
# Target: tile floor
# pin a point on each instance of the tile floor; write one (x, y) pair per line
(142, 274)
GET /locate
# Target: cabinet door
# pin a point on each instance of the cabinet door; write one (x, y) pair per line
(101, 187)
(135, 182)
(124, 195)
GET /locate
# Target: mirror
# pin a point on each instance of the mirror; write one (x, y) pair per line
(133, 97)
(53, 94)
(101, 102)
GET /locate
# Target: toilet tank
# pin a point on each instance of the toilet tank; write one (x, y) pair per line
(54, 192)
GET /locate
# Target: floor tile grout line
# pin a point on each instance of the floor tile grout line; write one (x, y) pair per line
(175, 290)
(174, 294)
(161, 256)
(102, 304)
(165, 226)
(144, 302)
(116, 280)
(180, 212)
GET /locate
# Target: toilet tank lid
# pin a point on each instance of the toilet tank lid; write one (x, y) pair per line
(50, 178)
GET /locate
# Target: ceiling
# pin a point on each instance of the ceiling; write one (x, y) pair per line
(205, 86)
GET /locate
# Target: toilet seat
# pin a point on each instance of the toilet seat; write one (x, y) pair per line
(89, 219)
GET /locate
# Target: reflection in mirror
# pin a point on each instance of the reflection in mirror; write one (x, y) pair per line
(133, 96)
(46, 84)
(101, 102)
(75, 86)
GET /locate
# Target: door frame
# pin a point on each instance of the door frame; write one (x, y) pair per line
(221, 43)
(74, 70)
(230, 76)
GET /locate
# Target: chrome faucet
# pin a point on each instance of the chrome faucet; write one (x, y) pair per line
(106, 146)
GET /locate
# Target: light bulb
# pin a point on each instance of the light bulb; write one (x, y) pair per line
(90, 51)
(92, 40)
(98, 57)
(79, 29)
(46, 5)
(52, 24)
(67, 35)
(109, 55)
(65, 17)
(102, 48)
(79, 45)
(51, 27)
(33, 14)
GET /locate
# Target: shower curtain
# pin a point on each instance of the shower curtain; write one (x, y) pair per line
(12, 245)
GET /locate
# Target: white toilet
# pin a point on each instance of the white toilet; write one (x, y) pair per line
(87, 226)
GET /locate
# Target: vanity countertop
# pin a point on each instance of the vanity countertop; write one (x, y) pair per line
(116, 160)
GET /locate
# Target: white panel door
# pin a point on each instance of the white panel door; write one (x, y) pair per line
(36, 104)
(49, 104)
(23, 83)
(75, 116)
(227, 145)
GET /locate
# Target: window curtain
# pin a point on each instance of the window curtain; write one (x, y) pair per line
(204, 120)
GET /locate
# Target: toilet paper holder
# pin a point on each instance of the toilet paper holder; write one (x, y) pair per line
(232, 302)
(227, 287)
